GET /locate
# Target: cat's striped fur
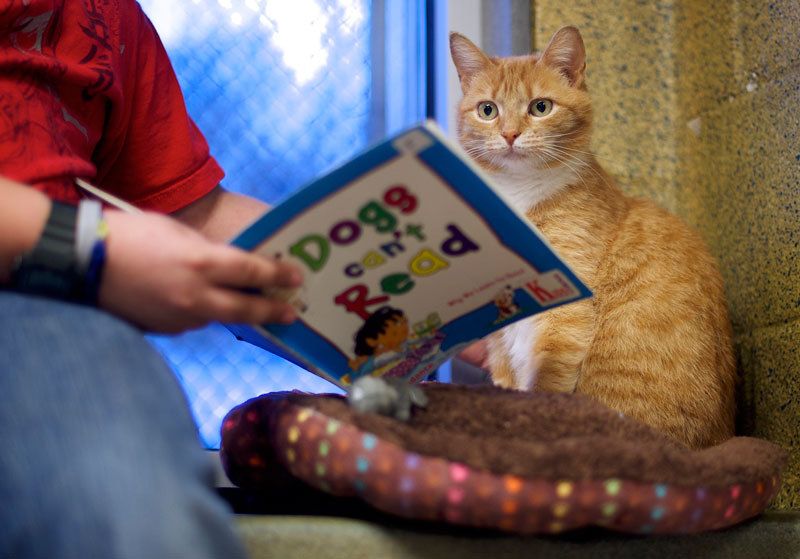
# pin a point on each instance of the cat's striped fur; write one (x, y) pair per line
(655, 340)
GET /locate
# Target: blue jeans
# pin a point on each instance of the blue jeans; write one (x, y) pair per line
(99, 455)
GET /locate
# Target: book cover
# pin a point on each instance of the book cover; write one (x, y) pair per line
(409, 255)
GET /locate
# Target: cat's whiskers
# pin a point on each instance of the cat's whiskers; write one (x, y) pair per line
(564, 158)
(583, 152)
(591, 153)
(554, 150)
(535, 155)
(583, 163)
(477, 151)
(552, 136)
(532, 178)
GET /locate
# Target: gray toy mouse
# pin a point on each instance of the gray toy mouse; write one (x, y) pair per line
(392, 397)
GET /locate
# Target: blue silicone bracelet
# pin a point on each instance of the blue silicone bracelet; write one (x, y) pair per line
(94, 273)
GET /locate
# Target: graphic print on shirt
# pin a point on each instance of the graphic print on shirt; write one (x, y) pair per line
(46, 43)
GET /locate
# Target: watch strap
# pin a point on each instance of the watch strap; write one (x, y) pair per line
(50, 268)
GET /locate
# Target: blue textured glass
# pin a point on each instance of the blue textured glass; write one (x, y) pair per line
(283, 91)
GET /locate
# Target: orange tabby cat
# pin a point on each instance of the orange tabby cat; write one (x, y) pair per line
(655, 340)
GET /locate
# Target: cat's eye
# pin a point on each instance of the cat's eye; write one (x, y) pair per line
(487, 110)
(540, 107)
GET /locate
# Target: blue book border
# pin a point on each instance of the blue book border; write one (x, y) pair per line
(510, 228)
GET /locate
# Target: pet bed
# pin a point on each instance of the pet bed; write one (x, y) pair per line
(513, 461)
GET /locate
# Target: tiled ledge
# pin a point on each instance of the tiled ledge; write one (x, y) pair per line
(774, 534)
(293, 520)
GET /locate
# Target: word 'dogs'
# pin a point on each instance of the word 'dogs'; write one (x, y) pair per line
(314, 249)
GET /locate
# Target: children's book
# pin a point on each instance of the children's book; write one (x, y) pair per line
(409, 255)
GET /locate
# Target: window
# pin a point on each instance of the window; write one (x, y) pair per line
(284, 90)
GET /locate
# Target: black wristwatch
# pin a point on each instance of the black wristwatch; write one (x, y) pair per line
(51, 268)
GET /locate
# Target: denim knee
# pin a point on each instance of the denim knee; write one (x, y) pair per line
(101, 456)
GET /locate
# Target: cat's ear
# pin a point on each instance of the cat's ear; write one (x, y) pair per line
(468, 58)
(567, 53)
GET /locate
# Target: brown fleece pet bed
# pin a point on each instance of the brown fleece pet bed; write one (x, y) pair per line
(514, 461)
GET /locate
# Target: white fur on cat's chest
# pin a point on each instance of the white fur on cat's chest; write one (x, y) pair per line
(519, 340)
(525, 191)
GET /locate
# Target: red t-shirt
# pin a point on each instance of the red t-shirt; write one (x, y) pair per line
(87, 90)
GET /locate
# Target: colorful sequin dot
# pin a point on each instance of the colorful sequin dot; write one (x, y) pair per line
(564, 489)
(560, 510)
(332, 427)
(362, 464)
(657, 513)
(613, 486)
(406, 484)
(455, 495)
(303, 415)
(369, 441)
(324, 448)
(661, 491)
(512, 484)
(458, 472)
(452, 514)
(510, 507)
(294, 434)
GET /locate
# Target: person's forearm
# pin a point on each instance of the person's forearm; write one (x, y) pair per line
(23, 213)
(221, 214)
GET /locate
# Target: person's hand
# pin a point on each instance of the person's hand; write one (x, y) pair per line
(166, 277)
(477, 353)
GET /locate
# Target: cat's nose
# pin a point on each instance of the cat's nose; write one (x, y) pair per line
(510, 136)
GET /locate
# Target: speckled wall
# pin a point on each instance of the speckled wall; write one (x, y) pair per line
(698, 106)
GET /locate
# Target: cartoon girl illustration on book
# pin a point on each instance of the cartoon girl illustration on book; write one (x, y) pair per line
(383, 346)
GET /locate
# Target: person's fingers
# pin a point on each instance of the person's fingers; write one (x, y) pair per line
(476, 354)
(237, 268)
(232, 306)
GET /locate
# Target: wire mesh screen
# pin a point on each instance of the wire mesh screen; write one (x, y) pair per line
(282, 90)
